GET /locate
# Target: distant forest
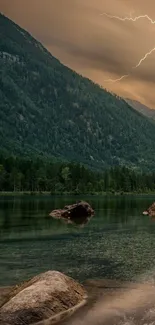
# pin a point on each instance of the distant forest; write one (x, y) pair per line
(19, 174)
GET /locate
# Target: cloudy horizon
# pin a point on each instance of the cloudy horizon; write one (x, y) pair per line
(92, 44)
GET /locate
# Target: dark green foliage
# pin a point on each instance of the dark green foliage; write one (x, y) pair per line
(47, 109)
(19, 174)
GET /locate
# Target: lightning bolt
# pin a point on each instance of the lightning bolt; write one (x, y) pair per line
(129, 18)
(133, 20)
(144, 57)
(116, 80)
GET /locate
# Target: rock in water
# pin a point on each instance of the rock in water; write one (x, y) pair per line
(150, 211)
(78, 213)
(47, 298)
(145, 213)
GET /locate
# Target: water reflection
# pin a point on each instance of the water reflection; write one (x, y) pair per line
(118, 242)
(27, 217)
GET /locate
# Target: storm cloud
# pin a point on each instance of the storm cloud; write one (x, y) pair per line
(92, 44)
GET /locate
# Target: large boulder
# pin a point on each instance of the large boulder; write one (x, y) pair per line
(45, 299)
(78, 213)
(150, 211)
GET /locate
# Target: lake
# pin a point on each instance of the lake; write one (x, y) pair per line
(117, 243)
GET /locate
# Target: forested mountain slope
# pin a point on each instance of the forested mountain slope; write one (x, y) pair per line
(145, 110)
(48, 109)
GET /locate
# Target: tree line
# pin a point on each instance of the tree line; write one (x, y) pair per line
(20, 174)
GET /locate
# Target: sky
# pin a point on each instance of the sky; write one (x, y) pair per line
(96, 46)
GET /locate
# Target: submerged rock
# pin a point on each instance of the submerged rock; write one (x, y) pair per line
(49, 297)
(150, 211)
(78, 213)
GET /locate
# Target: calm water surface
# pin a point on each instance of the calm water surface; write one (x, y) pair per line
(119, 242)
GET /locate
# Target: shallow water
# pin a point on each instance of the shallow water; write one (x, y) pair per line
(118, 243)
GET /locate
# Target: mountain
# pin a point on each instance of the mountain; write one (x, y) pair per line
(149, 112)
(47, 109)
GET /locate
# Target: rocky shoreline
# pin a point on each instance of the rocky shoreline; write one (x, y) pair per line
(97, 302)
